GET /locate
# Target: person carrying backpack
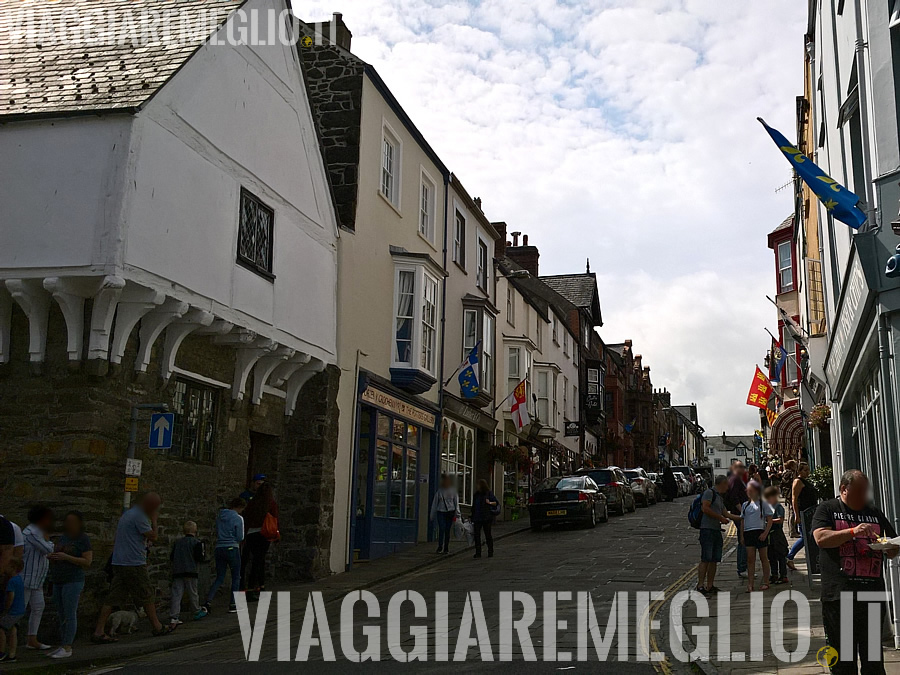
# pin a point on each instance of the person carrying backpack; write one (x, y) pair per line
(712, 516)
(485, 507)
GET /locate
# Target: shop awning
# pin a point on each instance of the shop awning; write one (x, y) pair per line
(787, 436)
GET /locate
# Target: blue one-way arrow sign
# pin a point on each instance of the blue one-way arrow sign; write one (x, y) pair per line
(161, 425)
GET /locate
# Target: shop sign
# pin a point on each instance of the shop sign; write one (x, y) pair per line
(573, 429)
(400, 408)
(853, 304)
(469, 414)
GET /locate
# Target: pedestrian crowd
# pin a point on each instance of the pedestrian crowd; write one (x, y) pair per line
(38, 558)
(844, 529)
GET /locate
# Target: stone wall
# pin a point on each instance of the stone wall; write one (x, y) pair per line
(64, 437)
(334, 82)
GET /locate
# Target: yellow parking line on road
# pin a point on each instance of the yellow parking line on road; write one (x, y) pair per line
(664, 666)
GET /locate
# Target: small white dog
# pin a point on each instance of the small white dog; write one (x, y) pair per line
(125, 621)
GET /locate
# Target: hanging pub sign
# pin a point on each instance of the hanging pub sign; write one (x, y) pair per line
(573, 429)
(593, 398)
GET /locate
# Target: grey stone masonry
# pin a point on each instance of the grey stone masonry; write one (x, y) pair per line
(334, 79)
(65, 435)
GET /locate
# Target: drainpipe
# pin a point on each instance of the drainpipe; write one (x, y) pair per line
(890, 435)
(863, 85)
(436, 454)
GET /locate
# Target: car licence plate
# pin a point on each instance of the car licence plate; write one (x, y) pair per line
(561, 512)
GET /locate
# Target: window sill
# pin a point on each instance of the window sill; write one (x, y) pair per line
(428, 241)
(248, 266)
(389, 203)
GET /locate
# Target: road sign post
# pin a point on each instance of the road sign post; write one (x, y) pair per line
(132, 436)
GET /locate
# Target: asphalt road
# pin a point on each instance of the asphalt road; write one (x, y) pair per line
(644, 551)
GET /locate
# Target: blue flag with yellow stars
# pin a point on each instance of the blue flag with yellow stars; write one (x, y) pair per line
(840, 202)
(468, 376)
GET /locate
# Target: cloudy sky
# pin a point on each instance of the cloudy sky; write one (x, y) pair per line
(624, 131)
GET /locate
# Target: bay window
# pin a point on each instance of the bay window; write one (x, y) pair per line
(785, 267)
(478, 324)
(518, 369)
(542, 391)
(416, 312)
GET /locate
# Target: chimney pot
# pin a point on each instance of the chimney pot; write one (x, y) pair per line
(477, 201)
(525, 240)
(515, 236)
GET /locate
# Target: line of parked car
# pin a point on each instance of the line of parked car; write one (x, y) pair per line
(592, 494)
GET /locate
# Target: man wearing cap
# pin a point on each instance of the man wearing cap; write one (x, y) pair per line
(250, 492)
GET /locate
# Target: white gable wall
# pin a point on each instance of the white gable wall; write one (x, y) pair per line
(232, 117)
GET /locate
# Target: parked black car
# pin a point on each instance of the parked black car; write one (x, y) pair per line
(567, 499)
(613, 484)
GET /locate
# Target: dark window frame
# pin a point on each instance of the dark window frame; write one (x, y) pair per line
(266, 269)
(207, 396)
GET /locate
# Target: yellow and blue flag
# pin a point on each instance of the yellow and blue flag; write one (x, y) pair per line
(840, 202)
(468, 376)
(780, 359)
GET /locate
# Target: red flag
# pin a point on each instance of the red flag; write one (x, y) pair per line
(519, 407)
(760, 390)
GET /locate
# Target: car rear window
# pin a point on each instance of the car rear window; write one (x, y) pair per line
(632, 474)
(602, 476)
(570, 484)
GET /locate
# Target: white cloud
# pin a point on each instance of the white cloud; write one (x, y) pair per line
(624, 131)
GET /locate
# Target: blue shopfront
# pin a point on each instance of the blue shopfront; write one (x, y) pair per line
(394, 441)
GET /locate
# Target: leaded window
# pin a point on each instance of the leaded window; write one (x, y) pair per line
(257, 222)
(194, 432)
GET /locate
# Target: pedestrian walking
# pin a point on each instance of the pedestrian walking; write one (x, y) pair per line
(756, 523)
(786, 486)
(670, 485)
(135, 532)
(778, 544)
(71, 556)
(445, 510)
(843, 528)
(804, 495)
(485, 507)
(229, 535)
(187, 554)
(12, 612)
(262, 508)
(37, 547)
(734, 498)
(714, 516)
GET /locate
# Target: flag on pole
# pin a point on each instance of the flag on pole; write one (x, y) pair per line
(468, 376)
(837, 199)
(780, 355)
(520, 406)
(771, 416)
(760, 390)
(629, 427)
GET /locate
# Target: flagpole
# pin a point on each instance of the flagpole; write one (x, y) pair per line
(796, 363)
(512, 391)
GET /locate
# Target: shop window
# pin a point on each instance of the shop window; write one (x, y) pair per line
(194, 432)
(396, 468)
(458, 458)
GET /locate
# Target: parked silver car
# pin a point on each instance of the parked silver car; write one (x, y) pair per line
(642, 487)
(684, 485)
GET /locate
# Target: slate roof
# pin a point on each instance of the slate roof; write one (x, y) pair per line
(57, 77)
(577, 288)
(730, 442)
(786, 223)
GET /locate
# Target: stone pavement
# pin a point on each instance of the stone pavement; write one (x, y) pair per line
(739, 611)
(220, 624)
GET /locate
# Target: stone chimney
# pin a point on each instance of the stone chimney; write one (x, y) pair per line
(500, 244)
(723, 436)
(477, 201)
(525, 256)
(336, 31)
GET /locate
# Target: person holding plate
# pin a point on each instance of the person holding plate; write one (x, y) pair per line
(844, 528)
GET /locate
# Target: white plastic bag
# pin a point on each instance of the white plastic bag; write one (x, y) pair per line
(468, 530)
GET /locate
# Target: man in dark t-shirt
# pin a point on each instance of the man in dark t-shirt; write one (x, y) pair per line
(843, 528)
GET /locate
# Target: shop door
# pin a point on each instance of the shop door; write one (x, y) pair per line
(388, 467)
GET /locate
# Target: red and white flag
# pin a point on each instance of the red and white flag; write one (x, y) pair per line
(519, 407)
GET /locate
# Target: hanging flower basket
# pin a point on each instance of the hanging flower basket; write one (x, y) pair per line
(819, 416)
